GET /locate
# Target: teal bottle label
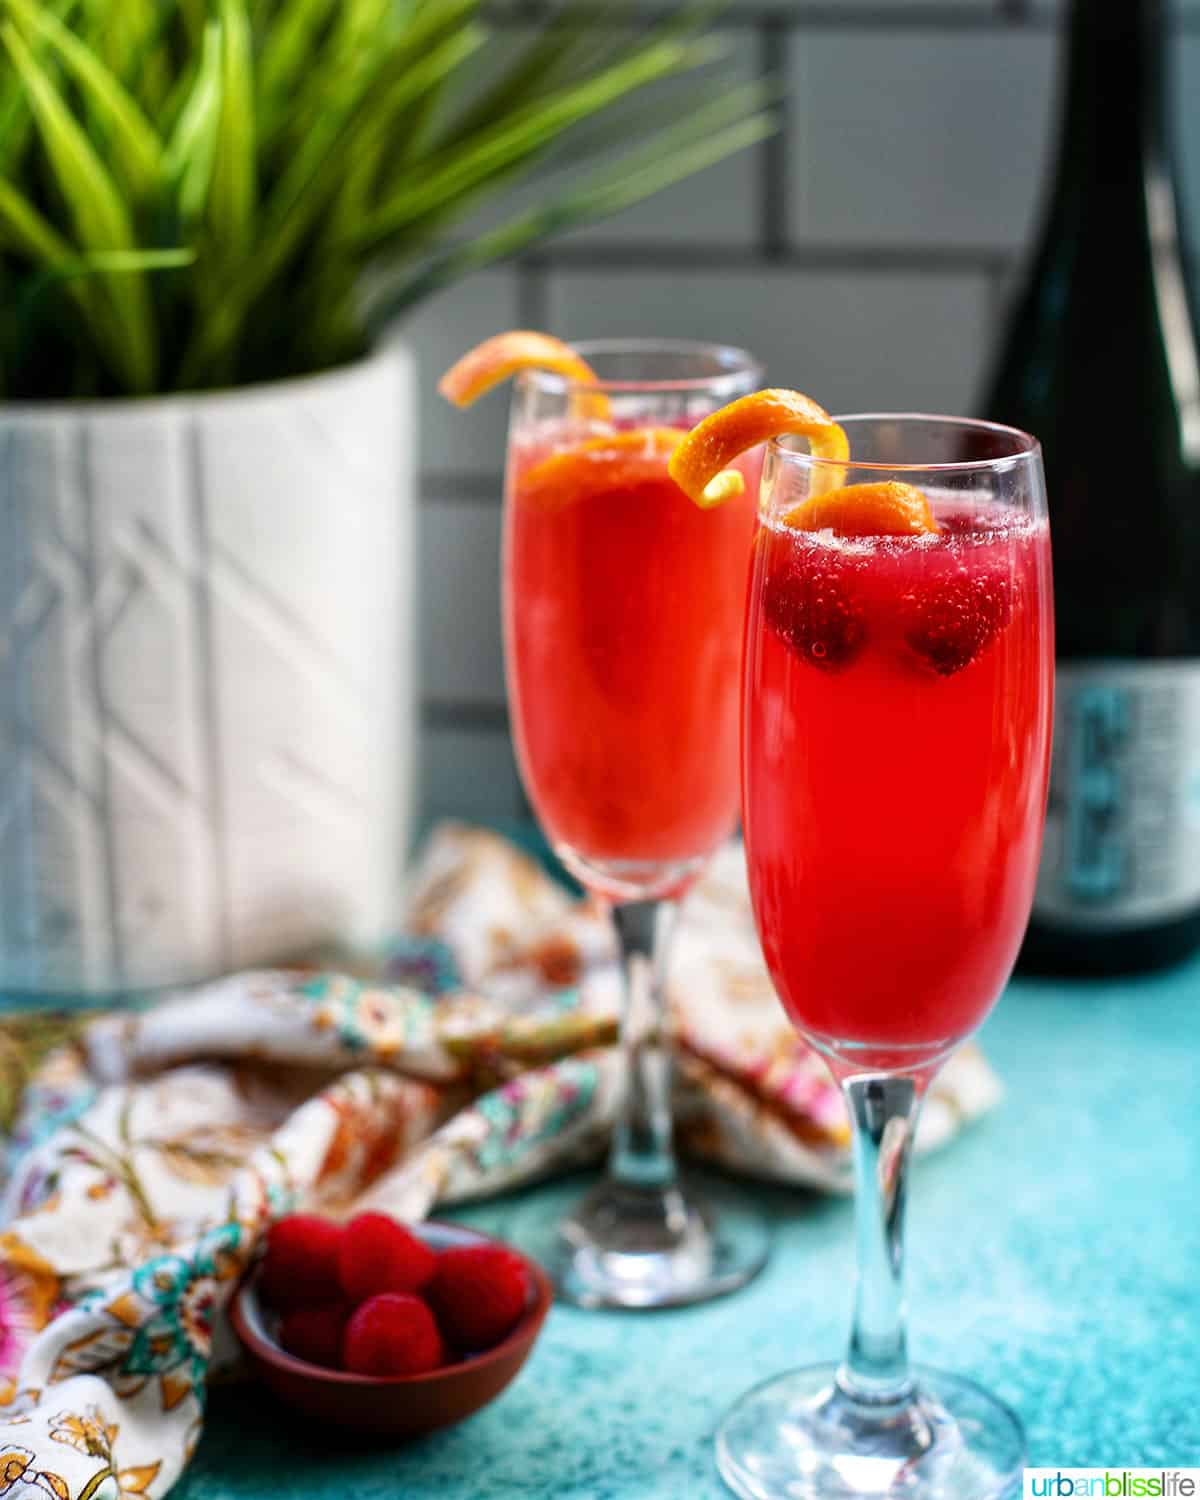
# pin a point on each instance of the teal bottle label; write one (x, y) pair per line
(1122, 844)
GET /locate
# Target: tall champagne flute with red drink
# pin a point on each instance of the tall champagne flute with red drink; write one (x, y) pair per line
(623, 603)
(895, 742)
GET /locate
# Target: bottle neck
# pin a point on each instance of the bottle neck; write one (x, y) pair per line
(1115, 105)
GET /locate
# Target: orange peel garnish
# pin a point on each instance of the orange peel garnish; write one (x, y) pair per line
(887, 508)
(700, 465)
(612, 461)
(507, 354)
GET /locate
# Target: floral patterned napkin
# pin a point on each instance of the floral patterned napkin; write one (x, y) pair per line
(149, 1150)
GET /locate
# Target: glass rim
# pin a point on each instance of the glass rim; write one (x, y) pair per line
(738, 365)
(1026, 446)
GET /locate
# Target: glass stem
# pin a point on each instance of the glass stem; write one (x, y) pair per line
(643, 1155)
(883, 1116)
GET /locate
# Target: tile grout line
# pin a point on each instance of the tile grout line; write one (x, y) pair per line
(464, 714)
(460, 487)
(650, 256)
(1006, 15)
(926, 15)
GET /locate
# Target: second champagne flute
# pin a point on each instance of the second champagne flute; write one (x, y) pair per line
(896, 745)
(623, 604)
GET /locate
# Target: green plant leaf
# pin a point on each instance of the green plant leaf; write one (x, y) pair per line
(25, 230)
(317, 171)
(523, 135)
(125, 262)
(311, 183)
(148, 68)
(16, 118)
(553, 58)
(192, 151)
(659, 124)
(411, 128)
(194, 15)
(605, 37)
(359, 24)
(111, 263)
(232, 195)
(100, 217)
(287, 53)
(116, 30)
(310, 99)
(71, 272)
(135, 144)
(190, 190)
(623, 184)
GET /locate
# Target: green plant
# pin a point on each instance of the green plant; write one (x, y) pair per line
(192, 190)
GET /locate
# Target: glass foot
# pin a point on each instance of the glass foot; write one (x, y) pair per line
(800, 1437)
(624, 1246)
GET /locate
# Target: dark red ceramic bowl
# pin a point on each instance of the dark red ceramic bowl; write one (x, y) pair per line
(399, 1406)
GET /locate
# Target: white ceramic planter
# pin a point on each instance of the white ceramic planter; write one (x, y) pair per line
(207, 677)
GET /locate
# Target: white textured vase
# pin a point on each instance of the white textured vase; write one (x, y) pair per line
(207, 677)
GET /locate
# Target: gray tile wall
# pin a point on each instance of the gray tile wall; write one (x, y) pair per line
(864, 255)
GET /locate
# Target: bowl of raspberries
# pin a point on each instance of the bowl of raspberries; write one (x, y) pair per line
(387, 1328)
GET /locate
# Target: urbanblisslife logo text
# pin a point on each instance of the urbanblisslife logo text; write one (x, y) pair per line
(1112, 1484)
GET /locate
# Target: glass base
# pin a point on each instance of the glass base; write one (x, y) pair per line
(801, 1437)
(634, 1247)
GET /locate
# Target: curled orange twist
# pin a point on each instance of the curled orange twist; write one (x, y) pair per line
(700, 465)
(887, 508)
(507, 354)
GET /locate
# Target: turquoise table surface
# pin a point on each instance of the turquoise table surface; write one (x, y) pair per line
(1054, 1253)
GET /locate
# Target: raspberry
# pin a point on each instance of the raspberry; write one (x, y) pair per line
(810, 600)
(478, 1293)
(379, 1255)
(392, 1334)
(301, 1263)
(949, 619)
(315, 1333)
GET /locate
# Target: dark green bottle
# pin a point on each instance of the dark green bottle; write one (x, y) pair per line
(1100, 360)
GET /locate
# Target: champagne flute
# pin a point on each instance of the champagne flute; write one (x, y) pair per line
(896, 735)
(623, 606)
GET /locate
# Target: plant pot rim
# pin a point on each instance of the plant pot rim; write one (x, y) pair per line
(386, 351)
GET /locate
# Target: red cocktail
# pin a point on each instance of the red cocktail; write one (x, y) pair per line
(624, 602)
(896, 739)
(623, 620)
(895, 754)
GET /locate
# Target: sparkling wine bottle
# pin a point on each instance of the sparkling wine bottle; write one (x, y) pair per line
(1099, 359)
